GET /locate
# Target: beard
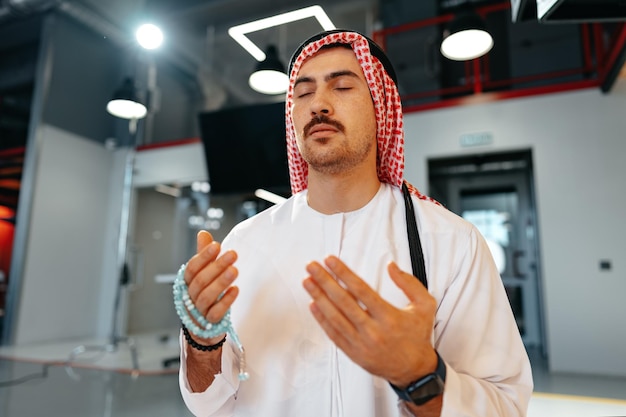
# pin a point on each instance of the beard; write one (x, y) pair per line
(335, 158)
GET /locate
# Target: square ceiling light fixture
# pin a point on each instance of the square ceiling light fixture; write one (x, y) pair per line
(238, 33)
(269, 76)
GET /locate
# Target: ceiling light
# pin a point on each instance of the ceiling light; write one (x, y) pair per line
(466, 38)
(125, 103)
(238, 33)
(168, 190)
(269, 76)
(269, 196)
(200, 187)
(149, 36)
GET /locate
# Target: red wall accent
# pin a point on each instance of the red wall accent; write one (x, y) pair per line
(7, 230)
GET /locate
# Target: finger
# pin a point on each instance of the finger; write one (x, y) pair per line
(207, 260)
(408, 283)
(219, 308)
(333, 299)
(201, 259)
(216, 275)
(333, 322)
(217, 312)
(203, 238)
(357, 287)
(340, 338)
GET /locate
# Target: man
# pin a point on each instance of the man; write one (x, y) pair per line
(333, 321)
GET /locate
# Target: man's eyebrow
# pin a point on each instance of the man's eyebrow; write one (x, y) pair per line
(341, 73)
(303, 80)
(331, 76)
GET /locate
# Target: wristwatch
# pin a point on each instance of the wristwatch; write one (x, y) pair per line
(426, 388)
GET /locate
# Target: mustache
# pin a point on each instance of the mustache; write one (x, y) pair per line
(323, 119)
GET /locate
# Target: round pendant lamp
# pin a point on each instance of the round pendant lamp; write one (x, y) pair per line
(466, 37)
(125, 103)
(269, 76)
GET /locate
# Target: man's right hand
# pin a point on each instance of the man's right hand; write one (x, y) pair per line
(209, 275)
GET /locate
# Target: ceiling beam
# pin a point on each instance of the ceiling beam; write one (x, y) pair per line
(616, 61)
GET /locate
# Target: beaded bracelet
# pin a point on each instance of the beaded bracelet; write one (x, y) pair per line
(198, 346)
(186, 310)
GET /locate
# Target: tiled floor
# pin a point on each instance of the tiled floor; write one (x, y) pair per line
(39, 384)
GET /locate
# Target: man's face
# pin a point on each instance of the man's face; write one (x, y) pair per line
(333, 113)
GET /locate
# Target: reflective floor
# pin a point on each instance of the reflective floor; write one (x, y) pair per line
(46, 387)
(53, 391)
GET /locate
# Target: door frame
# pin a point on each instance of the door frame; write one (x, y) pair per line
(450, 176)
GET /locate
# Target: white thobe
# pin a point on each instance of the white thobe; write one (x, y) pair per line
(295, 370)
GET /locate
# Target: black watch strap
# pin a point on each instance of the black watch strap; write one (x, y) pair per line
(426, 388)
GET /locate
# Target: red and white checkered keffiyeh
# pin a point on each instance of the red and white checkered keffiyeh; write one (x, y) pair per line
(387, 105)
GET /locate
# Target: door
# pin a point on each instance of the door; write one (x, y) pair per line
(495, 194)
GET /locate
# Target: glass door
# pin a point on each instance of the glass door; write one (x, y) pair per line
(497, 199)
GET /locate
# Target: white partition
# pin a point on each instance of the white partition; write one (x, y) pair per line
(181, 164)
(64, 265)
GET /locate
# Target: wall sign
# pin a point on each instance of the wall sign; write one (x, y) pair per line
(476, 139)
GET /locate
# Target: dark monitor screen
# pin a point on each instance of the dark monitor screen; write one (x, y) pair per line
(245, 149)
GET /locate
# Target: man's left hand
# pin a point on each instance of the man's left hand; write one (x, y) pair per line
(390, 342)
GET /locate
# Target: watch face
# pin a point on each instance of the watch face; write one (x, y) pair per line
(425, 389)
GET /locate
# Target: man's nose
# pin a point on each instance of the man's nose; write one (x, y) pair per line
(321, 105)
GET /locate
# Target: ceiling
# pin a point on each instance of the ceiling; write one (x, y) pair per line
(197, 42)
(199, 30)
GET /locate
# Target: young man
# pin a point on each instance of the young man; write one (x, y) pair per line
(332, 319)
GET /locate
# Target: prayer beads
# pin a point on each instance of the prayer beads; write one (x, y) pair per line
(187, 312)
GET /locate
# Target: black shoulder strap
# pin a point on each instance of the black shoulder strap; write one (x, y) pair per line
(415, 246)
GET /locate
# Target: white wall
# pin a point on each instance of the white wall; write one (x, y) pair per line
(64, 261)
(578, 142)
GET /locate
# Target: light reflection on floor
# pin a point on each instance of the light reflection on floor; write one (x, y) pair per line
(554, 405)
